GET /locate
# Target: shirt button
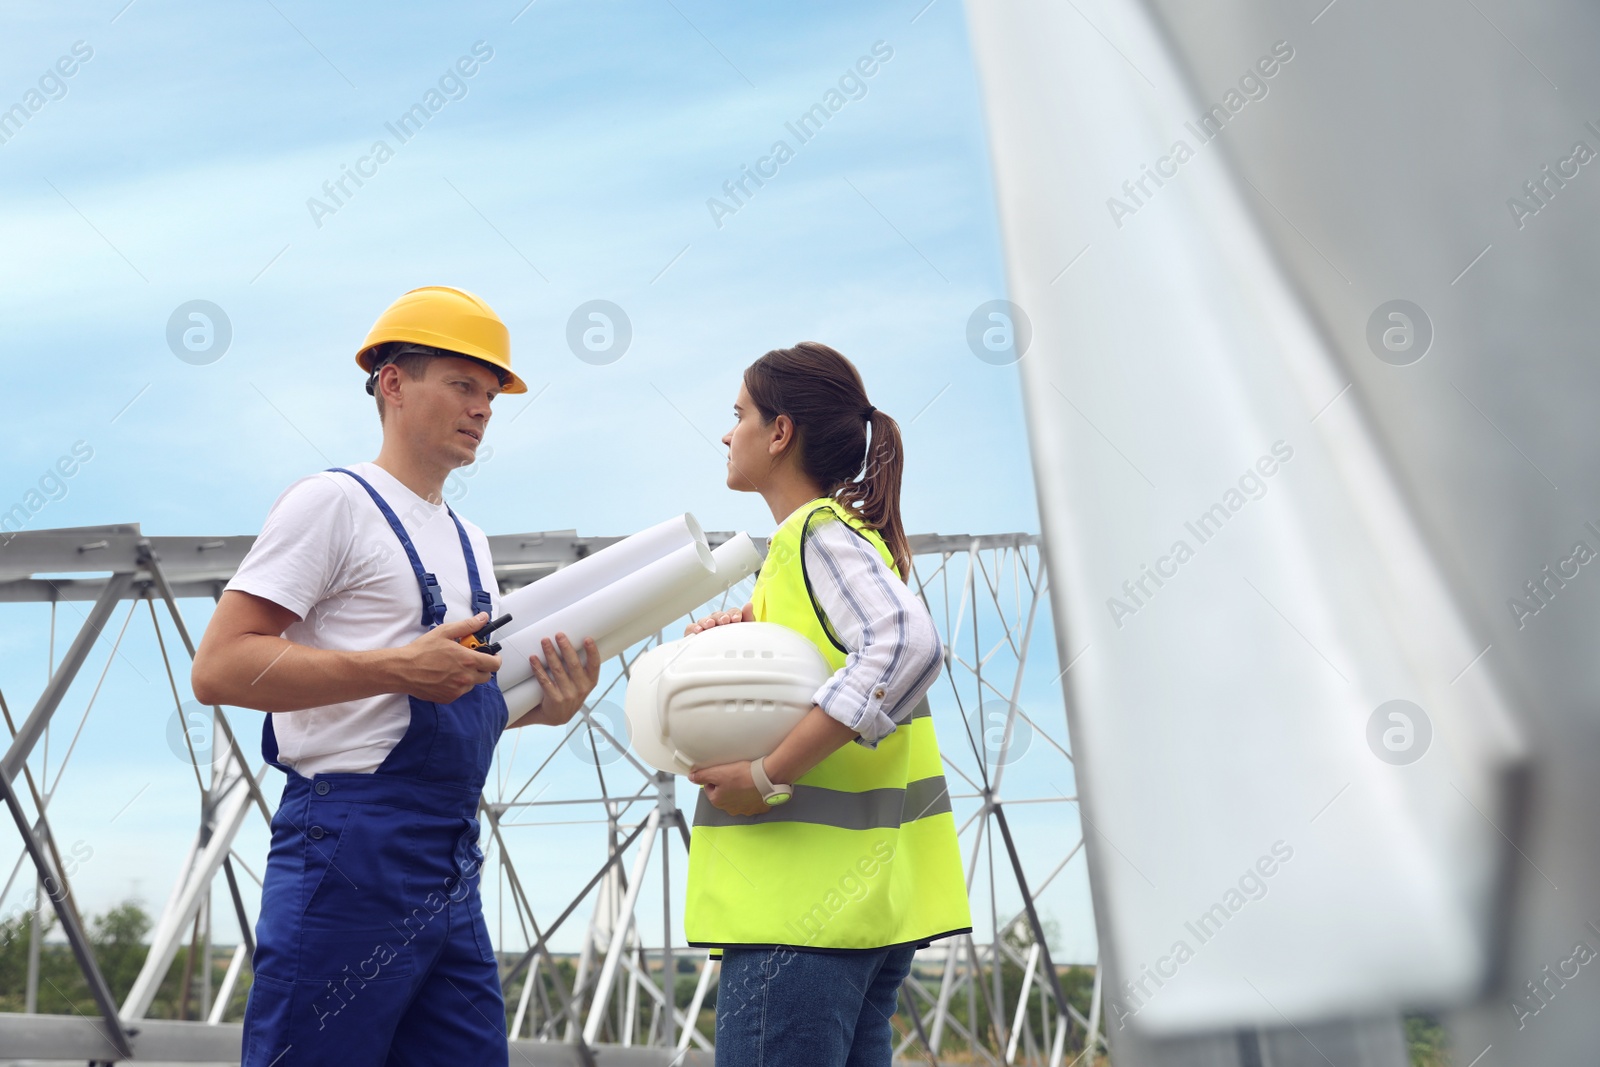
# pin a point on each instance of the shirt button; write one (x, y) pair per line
(316, 833)
(878, 692)
(322, 788)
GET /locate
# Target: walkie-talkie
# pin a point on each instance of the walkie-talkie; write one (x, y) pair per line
(479, 642)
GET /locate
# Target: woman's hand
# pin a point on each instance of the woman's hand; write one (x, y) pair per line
(729, 787)
(721, 618)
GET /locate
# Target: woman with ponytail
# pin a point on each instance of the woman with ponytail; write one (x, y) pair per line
(819, 869)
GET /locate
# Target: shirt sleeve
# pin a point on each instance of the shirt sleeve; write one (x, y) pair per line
(893, 650)
(300, 552)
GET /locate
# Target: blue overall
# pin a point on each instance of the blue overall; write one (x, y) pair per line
(371, 946)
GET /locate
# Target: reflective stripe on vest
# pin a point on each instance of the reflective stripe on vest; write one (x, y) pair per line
(871, 809)
(864, 854)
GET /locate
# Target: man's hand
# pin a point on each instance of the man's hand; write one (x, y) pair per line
(721, 618)
(566, 682)
(729, 787)
(436, 667)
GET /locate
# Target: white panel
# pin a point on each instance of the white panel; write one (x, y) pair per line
(1226, 712)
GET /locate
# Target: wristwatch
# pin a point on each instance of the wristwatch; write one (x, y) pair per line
(772, 794)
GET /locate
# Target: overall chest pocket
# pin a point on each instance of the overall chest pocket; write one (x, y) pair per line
(464, 735)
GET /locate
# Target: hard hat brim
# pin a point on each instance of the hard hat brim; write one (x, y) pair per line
(641, 712)
(513, 384)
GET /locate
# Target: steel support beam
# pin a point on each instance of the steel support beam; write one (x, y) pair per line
(117, 587)
(52, 1038)
(615, 965)
(115, 1033)
(619, 931)
(158, 577)
(168, 935)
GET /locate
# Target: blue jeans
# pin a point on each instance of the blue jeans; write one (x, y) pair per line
(782, 1007)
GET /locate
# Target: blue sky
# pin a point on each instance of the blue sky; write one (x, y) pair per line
(575, 164)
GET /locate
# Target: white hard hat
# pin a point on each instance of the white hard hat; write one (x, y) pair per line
(732, 692)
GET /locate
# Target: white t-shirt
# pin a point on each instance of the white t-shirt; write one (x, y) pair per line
(328, 554)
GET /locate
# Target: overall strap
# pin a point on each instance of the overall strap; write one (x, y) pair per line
(433, 606)
(480, 597)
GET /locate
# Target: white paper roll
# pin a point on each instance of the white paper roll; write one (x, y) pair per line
(605, 611)
(521, 699)
(737, 559)
(734, 560)
(575, 581)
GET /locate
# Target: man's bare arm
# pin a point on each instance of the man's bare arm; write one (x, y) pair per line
(243, 660)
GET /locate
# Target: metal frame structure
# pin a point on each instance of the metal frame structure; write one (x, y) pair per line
(985, 593)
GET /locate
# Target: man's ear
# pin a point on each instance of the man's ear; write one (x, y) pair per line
(389, 384)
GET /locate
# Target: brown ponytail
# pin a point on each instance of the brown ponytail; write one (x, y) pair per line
(821, 391)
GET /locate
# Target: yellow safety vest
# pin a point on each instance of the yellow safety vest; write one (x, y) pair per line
(864, 854)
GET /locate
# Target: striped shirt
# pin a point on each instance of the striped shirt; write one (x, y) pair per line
(894, 651)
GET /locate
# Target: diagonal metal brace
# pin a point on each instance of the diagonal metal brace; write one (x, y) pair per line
(1033, 918)
(117, 587)
(117, 1034)
(152, 562)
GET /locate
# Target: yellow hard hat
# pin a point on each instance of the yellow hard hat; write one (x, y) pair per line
(445, 317)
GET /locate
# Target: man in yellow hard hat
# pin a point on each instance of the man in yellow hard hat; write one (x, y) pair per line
(346, 621)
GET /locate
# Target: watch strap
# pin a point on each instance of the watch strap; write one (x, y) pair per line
(769, 791)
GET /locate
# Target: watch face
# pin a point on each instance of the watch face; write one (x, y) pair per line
(777, 798)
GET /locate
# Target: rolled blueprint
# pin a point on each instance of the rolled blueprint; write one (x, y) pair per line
(732, 562)
(577, 580)
(607, 609)
(737, 559)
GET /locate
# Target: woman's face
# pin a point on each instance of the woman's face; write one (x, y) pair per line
(748, 459)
